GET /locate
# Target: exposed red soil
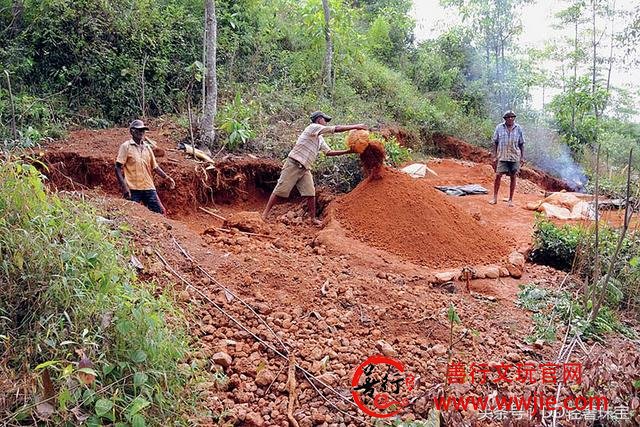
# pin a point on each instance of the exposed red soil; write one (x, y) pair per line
(329, 304)
(85, 159)
(449, 146)
(409, 218)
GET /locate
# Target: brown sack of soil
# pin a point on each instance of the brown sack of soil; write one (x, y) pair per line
(407, 217)
(357, 140)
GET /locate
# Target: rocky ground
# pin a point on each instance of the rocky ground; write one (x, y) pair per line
(323, 295)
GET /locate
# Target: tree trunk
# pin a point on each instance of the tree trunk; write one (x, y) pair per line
(328, 55)
(207, 131)
(575, 74)
(611, 41)
(594, 45)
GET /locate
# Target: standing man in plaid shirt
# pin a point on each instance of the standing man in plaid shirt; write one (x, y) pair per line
(296, 170)
(508, 153)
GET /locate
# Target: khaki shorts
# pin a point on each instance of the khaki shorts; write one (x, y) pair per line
(509, 168)
(294, 174)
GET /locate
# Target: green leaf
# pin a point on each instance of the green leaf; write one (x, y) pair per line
(47, 364)
(63, 398)
(138, 421)
(138, 404)
(103, 406)
(635, 261)
(107, 368)
(452, 314)
(88, 371)
(88, 395)
(636, 384)
(92, 421)
(140, 378)
(139, 356)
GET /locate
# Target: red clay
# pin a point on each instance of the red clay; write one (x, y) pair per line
(409, 218)
(372, 158)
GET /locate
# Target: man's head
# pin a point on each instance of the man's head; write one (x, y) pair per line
(320, 118)
(137, 129)
(509, 117)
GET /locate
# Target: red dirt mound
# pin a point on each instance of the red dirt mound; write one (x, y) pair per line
(407, 217)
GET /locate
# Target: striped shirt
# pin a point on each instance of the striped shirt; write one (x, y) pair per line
(508, 142)
(309, 143)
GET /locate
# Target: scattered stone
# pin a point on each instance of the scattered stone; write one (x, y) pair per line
(265, 377)
(513, 357)
(184, 296)
(516, 259)
(492, 272)
(246, 221)
(514, 271)
(439, 349)
(385, 348)
(222, 358)
(446, 276)
(254, 419)
(208, 330)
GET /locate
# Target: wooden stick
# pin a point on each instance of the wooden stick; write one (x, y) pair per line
(245, 232)
(291, 385)
(212, 213)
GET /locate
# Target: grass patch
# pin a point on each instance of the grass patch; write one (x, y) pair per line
(101, 347)
(552, 309)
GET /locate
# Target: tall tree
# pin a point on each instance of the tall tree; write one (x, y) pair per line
(207, 128)
(328, 55)
(497, 26)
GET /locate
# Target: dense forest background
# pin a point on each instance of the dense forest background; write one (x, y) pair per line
(95, 63)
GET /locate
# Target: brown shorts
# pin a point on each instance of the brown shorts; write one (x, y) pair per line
(509, 168)
(294, 174)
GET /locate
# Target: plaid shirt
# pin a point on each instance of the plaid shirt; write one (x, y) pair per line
(508, 143)
(309, 143)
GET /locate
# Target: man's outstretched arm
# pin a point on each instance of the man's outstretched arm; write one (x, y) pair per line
(346, 128)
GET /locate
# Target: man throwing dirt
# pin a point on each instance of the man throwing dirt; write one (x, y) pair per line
(508, 153)
(296, 169)
(135, 165)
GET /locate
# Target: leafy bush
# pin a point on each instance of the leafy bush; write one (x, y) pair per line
(67, 289)
(234, 121)
(555, 246)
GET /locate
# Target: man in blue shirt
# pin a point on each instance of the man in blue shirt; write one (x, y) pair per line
(508, 153)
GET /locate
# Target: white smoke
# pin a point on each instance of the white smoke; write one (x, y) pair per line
(545, 150)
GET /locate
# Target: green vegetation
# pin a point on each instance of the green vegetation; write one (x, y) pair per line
(555, 246)
(98, 63)
(572, 248)
(67, 290)
(552, 308)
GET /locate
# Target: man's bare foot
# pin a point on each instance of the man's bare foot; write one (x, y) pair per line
(510, 203)
(493, 201)
(316, 222)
